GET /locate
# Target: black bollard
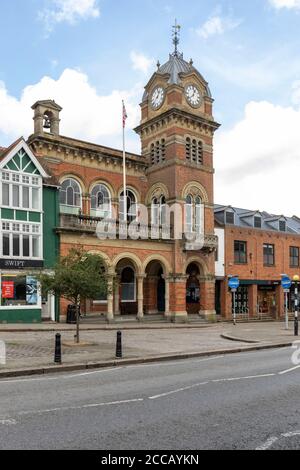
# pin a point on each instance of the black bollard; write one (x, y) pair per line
(57, 354)
(119, 354)
(296, 326)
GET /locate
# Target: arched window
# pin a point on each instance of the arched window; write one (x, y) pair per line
(70, 195)
(158, 211)
(101, 201)
(193, 214)
(129, 212)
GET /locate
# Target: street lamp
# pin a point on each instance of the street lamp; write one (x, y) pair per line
(296, 280)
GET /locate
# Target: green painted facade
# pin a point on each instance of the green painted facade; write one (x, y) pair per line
(49, 215)
(21, 316)
(50, 223)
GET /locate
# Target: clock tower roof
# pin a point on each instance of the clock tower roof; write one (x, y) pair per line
(176, 67)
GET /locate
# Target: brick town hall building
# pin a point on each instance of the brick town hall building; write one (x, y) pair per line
(56, 190)
(177, 127)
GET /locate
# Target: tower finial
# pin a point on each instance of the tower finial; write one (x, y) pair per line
(176, 36)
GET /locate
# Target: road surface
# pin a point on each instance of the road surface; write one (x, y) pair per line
(239, 401)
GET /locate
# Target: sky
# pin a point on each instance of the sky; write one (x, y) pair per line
(88, 55)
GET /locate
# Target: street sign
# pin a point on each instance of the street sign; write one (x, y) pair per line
(286, 282)
(234, 283)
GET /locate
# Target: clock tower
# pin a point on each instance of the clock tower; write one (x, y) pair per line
(177, 130)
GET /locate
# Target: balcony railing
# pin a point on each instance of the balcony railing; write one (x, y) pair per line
(130, 230)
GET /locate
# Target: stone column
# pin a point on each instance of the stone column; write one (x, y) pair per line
(110, 299)
(140, 297)
(167, 297)
(117, 296)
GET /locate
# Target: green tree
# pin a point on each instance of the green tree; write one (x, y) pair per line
(76, 277)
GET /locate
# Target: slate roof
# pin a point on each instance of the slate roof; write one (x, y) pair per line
(245, 218)
(174, 67)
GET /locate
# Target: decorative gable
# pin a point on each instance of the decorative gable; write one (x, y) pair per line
(21, 159)
(22, 163)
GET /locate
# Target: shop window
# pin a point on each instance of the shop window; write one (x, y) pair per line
(19, 291)
(242, 300)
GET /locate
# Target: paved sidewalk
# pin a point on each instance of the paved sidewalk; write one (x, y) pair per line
(33, 350)
(260, 333)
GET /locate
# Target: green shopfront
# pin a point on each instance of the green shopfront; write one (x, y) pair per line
(28, 220)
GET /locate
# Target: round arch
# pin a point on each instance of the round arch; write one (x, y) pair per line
(195, 189)
(131, 257)
(75, 177)
(159, 258)
(158, 190)
(199, 262)
(106, 259)
(133, 189)
(102, 181)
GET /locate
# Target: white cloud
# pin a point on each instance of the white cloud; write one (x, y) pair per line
(140, 62)
(285, 4)
(257, 161)
(217, 25)
(69, 11)
(86, 114)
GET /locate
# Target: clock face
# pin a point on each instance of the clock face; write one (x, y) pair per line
(193, 96)
(157, 97)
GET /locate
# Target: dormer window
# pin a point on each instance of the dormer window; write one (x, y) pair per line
(257, 222)
(229, 218)
(282, 226)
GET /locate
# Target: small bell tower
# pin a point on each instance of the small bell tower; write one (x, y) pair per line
(46, 117)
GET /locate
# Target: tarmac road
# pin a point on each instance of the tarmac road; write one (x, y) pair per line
(240, 401)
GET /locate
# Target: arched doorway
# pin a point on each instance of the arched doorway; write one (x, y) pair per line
(127, 287)
(155, 289)
(193, 289)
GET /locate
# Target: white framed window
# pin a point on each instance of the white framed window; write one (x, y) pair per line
(193, 214)
(19, 192)
(158, 211)
(70, 193)
(17, 243)
(131, 207)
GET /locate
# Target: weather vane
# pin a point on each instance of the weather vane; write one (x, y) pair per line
(176, 36)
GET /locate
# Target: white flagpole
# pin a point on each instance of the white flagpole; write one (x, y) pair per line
(124, 168)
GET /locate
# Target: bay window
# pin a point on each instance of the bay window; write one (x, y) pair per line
(21, 194)
(21, 240)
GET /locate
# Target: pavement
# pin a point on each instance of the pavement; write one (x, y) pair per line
(32, 351)
(240, 401)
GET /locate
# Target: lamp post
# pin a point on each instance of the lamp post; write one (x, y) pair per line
(296, 325)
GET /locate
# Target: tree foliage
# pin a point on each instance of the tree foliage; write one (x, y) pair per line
(77, 276)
